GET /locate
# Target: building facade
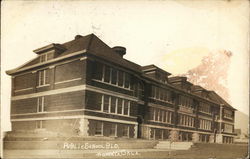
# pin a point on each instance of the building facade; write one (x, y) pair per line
(86, 88)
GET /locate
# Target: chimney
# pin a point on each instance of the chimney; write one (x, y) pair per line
(120, 50)
(78, 37)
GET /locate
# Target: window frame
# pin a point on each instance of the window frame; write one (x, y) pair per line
(40, 104)
(43, 78)
(101, 128)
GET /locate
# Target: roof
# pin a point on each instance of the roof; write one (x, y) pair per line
(152, 67)
(90, 43)
(215, 97)
(196, 88)
(181, 79)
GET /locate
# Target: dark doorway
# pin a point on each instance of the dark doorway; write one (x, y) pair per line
(139, 131)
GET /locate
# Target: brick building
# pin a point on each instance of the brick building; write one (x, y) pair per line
(86, 88)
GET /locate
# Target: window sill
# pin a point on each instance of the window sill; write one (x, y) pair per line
(161, 100)
(186, 126)
(183, 106)
(228, 117)
(46, 85)
(205, 112)
(66, 81)
(160, 122)
(205, 129)
(128, 89)
(113, 113)
(25, 89)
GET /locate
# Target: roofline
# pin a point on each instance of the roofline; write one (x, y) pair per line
(17, 70)
(155, 68)
(48, 48)
(181, 90)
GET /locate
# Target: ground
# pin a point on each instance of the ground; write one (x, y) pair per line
(202, 151)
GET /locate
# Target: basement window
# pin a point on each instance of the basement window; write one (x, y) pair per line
(99, 128)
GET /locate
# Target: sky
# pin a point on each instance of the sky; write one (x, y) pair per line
(173, 34)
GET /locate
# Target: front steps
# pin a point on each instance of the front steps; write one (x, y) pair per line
(173, 145)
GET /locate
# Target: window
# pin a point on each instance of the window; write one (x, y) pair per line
(43, 77)
(185, 120)
(106, 103)
(113, 129)
(126, 107)
(160, 115)
(163, 116)
(205, 124)
(107, 74)
(157, 93)
(40, 104)
(46, 56)
(228, 114)
(228, 128)
(113, 76)
(127, 80)
(153, 92)
(113, 105)
(186, 101)
(99, 128)
(97, 73)
(43, 58)
(169, 117)
(119, 110)
(120, 79)
(205, 108)
(125, 131)
(161, 94)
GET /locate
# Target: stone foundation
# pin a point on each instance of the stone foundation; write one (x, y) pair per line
(83, 127)
(174, 135)
(195, 137)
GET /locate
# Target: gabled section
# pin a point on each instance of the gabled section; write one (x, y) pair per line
(215, 97)
(180, 82)
(57, 48)
(155, 72)
(49, 52)
(200, 91)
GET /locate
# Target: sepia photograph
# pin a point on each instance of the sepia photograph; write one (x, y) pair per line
(164, 79)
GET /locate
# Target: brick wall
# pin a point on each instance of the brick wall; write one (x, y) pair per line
(64, 101)
(24, 106)
(23, 125)
(68, 71)
(62, 126)
(24, 81)
(58, 102)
